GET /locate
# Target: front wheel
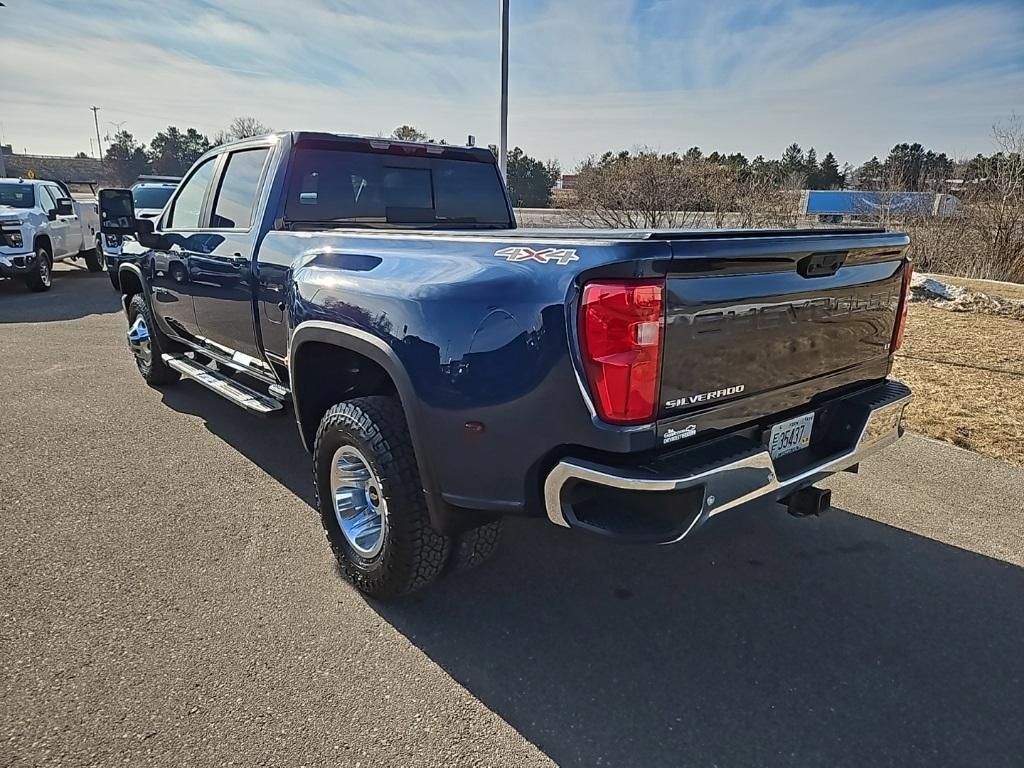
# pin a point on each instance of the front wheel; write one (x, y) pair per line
(41, 277)
(148, 343)
(370, 500)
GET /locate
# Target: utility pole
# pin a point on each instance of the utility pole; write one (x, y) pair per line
(96, 119)
(503, 141)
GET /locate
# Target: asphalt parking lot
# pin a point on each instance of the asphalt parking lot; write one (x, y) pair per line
(167, 598)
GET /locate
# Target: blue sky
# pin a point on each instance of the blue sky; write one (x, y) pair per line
(852, 77)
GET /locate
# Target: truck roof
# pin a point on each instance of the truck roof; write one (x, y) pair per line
(371, 142)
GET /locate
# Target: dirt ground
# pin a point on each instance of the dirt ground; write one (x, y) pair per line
(967, 373)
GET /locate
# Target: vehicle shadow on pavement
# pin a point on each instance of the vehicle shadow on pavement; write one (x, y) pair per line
(270, 442)
(75, 293)
(763, 640)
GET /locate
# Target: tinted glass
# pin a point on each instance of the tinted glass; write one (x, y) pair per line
(349, 187)
(17, 195)
(236, 197)
(46, 200)
(188, 206)
(152, 197)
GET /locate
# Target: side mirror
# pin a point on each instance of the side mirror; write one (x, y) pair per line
(52, 214)
(117, 212)
(65, 207)
(145, 232)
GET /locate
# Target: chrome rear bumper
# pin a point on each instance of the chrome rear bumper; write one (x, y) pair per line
(743, 471)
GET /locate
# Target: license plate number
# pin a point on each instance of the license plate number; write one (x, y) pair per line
(790, 436)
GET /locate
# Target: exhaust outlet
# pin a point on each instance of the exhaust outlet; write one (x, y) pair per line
(808, 501)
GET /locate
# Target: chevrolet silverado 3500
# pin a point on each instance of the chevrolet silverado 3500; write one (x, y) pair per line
(447, 369)
(40, 224)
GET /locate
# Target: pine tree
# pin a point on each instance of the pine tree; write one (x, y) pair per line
(829, 175)
(811, 169)
(693, 154)
(869, 175)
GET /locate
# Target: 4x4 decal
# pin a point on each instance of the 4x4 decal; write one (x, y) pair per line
(520, 253)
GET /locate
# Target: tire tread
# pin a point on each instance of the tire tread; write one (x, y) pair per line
(414, 553)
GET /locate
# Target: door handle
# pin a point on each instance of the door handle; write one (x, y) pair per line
(238, 259)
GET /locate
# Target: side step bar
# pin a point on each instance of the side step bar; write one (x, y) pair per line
(229, 389)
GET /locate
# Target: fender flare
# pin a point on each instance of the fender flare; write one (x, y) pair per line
(376, 349)
(128, 266)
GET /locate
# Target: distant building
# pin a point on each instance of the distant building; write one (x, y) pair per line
(73, 171)
(568, 181)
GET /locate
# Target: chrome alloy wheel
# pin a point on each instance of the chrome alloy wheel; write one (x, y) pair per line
(139, 341)
(359, 504)
(44, 267)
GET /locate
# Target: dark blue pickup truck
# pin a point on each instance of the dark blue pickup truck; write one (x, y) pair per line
(447, 368)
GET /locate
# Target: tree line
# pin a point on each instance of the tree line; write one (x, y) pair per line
(172, 151)
(531, 181)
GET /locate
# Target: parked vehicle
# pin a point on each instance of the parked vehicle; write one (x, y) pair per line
(447, 369)
(835, 206)
(40, 224)
(151, 193)
(149, 196)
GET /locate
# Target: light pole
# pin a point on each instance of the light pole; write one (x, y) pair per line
(503, 140)
(96, 120)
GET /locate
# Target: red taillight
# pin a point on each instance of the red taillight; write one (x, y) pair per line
(901, 310)
(620, 339)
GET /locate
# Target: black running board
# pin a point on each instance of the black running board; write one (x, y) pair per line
(229, 389)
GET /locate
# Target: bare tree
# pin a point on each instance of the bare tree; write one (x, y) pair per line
(639, 190)
(998, 204)
(409, 133)
(240, 128)
(983, 235)
(761, 203)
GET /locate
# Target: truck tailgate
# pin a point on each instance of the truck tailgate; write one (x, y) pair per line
(751, 315)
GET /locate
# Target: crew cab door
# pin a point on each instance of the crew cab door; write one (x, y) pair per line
(57, 228)
(222, 274)
(183, 240)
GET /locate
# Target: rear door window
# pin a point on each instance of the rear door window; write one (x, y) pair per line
(239, 187)
(187, 210)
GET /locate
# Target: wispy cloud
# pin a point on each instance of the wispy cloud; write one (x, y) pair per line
(587, 75)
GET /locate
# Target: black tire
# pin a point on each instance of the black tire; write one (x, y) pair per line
(41, 277)
(151, 366)
(412, 554)
(93, 258)
(475, 546)
(115, 281)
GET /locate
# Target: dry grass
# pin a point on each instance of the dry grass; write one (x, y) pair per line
(967, 373)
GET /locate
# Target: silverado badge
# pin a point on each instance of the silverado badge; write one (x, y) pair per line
(562, 256)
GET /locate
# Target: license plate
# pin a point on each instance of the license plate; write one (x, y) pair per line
(790, 436)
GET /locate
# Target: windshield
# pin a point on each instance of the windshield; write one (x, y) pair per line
(17, 195)
(151, 197)
(353, 188)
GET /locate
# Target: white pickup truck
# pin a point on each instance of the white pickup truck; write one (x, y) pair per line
(40, 224)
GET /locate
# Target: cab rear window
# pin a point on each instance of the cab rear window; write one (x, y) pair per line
(352, 188)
